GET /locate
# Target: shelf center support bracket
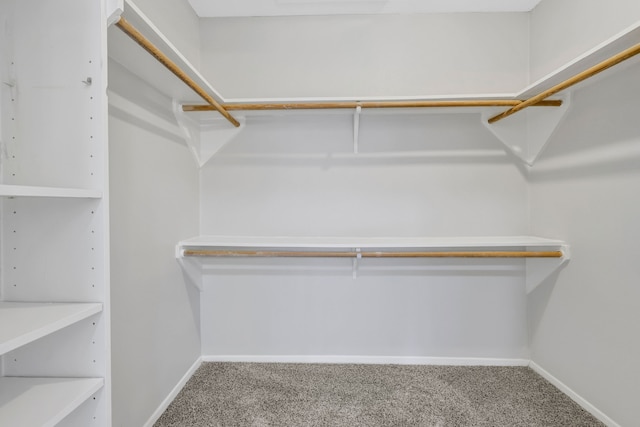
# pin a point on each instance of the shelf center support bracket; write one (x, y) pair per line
(354, 263)
(356, 128)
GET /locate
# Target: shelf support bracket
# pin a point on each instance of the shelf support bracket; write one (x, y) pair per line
(354, 263)
(527, 134)
(191, 268)
(356, 128)
(539, 269)
(207, 138)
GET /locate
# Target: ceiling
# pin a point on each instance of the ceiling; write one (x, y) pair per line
(228, 8)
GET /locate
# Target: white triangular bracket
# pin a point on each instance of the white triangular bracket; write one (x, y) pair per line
(539, 269)
(527, 132)
(206, 138)
(192, 269)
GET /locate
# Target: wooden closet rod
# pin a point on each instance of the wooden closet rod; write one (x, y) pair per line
(369, 104)
(132, 32)
(590, 72)
(376, 254)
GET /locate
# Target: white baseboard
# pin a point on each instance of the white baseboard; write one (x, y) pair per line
(372, 360)
(574, 396)
(172, 395)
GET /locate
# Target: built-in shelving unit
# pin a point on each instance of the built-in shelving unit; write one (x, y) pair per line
(43, 402)
(54, 286)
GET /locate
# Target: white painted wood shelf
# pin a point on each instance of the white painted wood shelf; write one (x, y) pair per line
(395, 243)
(42, 402)
(542, 256)
(25, 322)
(129, 54)
(56, 192)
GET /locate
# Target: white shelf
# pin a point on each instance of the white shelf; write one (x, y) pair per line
(22, 323)
(30, 191)
(537, 269)
(507, 242)
(129, 54)
(616, 44)
(42, 402)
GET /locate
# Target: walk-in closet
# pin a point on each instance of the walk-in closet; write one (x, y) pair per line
(187, 186)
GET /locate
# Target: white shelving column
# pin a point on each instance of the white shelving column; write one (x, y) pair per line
(54, 283)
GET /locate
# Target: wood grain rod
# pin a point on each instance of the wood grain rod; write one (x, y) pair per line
(590, 72)
(368, 104)
(371, 254)
(132, 32)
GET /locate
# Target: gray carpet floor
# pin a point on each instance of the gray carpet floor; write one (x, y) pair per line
(250, 394)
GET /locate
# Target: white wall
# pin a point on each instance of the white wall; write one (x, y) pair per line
(154, 204)
(417, 175)
(366, 55)
(584, 326)
(561, 30)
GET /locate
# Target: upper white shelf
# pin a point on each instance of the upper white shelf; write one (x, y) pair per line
(31, 191)
(605, 50)
(513, 242)
(129, 54)
(126, 52)
(22, 323)
(42, 402)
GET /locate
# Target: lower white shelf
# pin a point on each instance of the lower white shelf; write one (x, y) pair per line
(42, 402)
(542, 256)
(24, 322)
(372, 244)
(31, 191)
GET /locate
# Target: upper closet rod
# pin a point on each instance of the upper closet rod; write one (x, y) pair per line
(535, 100)
(369, 104)
(370, 254)
(132, 32)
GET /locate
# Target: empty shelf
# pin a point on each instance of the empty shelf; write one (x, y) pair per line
(22, 323)
(42, 402)
(30, 191)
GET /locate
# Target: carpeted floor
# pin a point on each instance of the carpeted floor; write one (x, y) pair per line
(250, 394)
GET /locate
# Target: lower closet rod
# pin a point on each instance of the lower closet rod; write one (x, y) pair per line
(372, 254)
